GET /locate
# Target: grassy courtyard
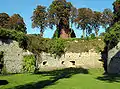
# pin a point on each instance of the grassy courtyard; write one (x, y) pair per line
(70, 78)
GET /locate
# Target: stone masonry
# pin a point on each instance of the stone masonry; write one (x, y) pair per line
(85, 60)
(12, 55)
(13, 58)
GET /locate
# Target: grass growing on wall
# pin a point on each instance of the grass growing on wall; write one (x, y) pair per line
(80, 45)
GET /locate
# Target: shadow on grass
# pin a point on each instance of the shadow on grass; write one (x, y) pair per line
(56, 75)
(3, 82)
(110, 78)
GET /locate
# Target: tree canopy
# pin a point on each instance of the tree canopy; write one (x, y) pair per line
(15, 22)
(63, 15)
(39, 19)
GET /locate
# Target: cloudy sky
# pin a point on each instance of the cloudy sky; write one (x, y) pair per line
(25, 9)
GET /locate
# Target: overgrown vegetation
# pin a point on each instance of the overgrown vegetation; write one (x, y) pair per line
(112, 37)
(56, 46)
(29, 64)
(14, 35)
(84, 45)
(52, 46)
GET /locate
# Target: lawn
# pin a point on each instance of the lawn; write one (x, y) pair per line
(70, 78)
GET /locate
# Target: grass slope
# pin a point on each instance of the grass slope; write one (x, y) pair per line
(70, 78)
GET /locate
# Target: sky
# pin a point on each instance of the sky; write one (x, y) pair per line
(26, 7)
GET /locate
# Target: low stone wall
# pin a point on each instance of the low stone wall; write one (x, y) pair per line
(85, 60)
(12, 55)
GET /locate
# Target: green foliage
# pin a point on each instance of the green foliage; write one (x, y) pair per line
(14, 35)
(4, 18)
(39, 19)
(58, 11)
(36, 44)
(29, 64)
(84, 45)
(83, 19)
(107, 18)
(15, 22)
(116, 12)
(92, 36)
(56, 46)
(112, 37)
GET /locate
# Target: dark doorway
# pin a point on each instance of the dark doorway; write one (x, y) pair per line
(73, 62)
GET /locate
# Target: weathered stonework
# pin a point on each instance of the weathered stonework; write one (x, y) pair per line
(113, 60)
(85, 60)
(13, 58)
(12, 55)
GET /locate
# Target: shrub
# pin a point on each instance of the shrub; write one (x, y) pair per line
(29, 64)
(92, 36)
(56, 46)
(14, 35)
(112, 37)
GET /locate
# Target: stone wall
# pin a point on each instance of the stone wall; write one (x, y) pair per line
(12, 55)
(86, 60)
(13, 58)
(113, 60)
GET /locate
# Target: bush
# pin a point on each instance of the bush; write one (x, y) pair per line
(56, 46)
(36, 44)
(29, 64)
(112, 37)
(14, 35)
(92, 36)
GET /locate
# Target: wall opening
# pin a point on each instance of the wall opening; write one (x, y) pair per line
(73, 62)
(45, 62)
(62, 62)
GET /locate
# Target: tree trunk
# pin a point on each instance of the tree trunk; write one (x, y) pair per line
(96, 32)
(83, 33)
(41, 32)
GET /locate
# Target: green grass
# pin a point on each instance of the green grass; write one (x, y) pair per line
(70, 78)
(20, 79)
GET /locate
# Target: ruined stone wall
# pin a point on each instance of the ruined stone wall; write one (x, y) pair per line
(86, 60)
(13, 58)
(12, 55)
(113, 61)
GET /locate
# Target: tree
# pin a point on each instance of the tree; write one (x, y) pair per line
(96, 21)
(59, 16)
(116, 6)
(107, 18)
(83, 20)
(16, 22)
(39, 19)
(4, 18)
